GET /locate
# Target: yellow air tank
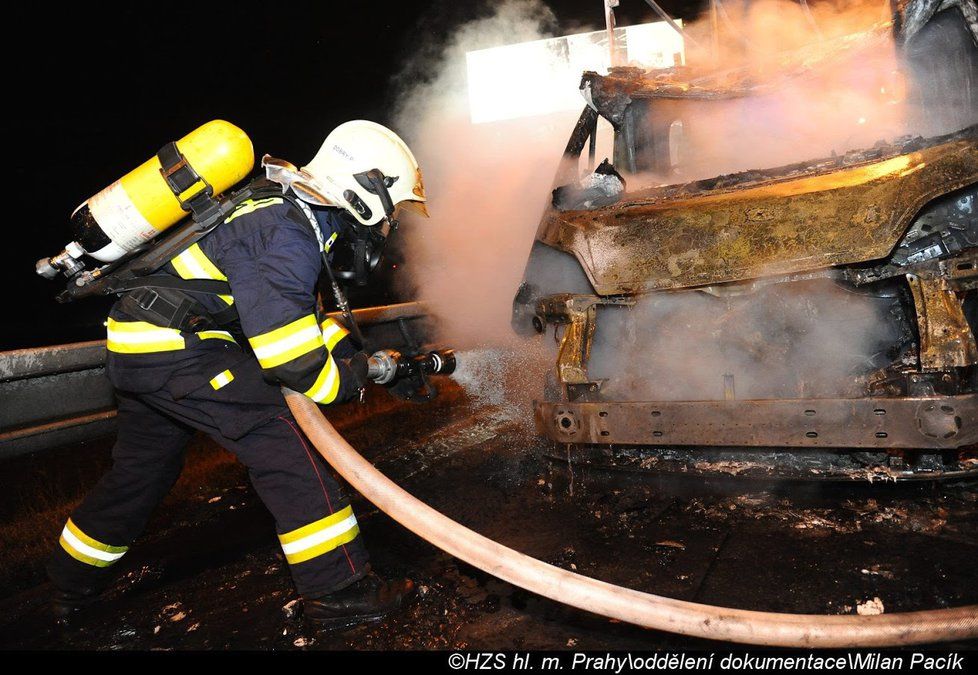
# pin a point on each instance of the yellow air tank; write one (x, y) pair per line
(140, 205)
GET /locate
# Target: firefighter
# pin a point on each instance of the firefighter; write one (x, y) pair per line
(187, 361)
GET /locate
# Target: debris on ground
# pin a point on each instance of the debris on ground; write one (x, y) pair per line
(869, 607)
(291, 608)
(877, 570)
(668, 543)
(733, 468)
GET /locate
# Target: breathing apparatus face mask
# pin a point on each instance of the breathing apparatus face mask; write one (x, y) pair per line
(364, 244)
(360, 247)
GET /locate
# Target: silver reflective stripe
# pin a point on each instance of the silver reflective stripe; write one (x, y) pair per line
(322, 535)
(287, 343)
(84, 548)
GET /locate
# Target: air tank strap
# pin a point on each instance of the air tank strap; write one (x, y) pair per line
(191, 189)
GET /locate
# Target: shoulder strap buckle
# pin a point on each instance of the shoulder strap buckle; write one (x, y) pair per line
(146, 298)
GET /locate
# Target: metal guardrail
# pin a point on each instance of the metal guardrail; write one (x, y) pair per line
(54, 396)
(59, 395)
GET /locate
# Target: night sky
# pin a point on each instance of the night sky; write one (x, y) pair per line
(93, 92)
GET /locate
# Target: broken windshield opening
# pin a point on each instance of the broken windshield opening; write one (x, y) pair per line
(599, 160)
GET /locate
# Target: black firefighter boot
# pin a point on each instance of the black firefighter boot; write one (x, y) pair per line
(66, 605)
(74, 587)
(368, 599)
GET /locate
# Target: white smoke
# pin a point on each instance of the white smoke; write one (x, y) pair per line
(811, 339)
(487, 184)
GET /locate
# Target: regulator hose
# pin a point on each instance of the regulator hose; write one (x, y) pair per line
(616, 602)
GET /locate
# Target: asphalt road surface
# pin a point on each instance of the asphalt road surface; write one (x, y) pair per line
(208, 573)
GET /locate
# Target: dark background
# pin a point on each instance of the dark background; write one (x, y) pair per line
(95, 89)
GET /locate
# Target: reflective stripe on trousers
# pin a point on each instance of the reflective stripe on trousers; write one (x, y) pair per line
(88, 550)
(319, 537)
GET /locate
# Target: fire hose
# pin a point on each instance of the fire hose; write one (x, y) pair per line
(616, 602)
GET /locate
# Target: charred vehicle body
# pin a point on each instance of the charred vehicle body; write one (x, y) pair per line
(826, 306)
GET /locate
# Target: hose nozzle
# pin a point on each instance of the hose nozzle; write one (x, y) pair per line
(388, 365)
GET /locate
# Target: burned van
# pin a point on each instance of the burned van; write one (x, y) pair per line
(825, 304)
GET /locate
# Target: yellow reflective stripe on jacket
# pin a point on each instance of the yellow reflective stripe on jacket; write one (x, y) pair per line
(288, 342)
(140, 337)
(193, 264)
(252, 205)
(85, 549)
(222, 380)
(327, 384)
(320, 537)
(333, 332)
(215, 335)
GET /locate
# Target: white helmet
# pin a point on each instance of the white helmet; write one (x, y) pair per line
(366, 169)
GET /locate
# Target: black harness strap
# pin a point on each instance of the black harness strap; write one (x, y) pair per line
(175, 309)
(211, 286)
(166, 309)
(163, 300)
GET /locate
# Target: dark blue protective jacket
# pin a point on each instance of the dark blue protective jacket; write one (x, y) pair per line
(269, 253)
